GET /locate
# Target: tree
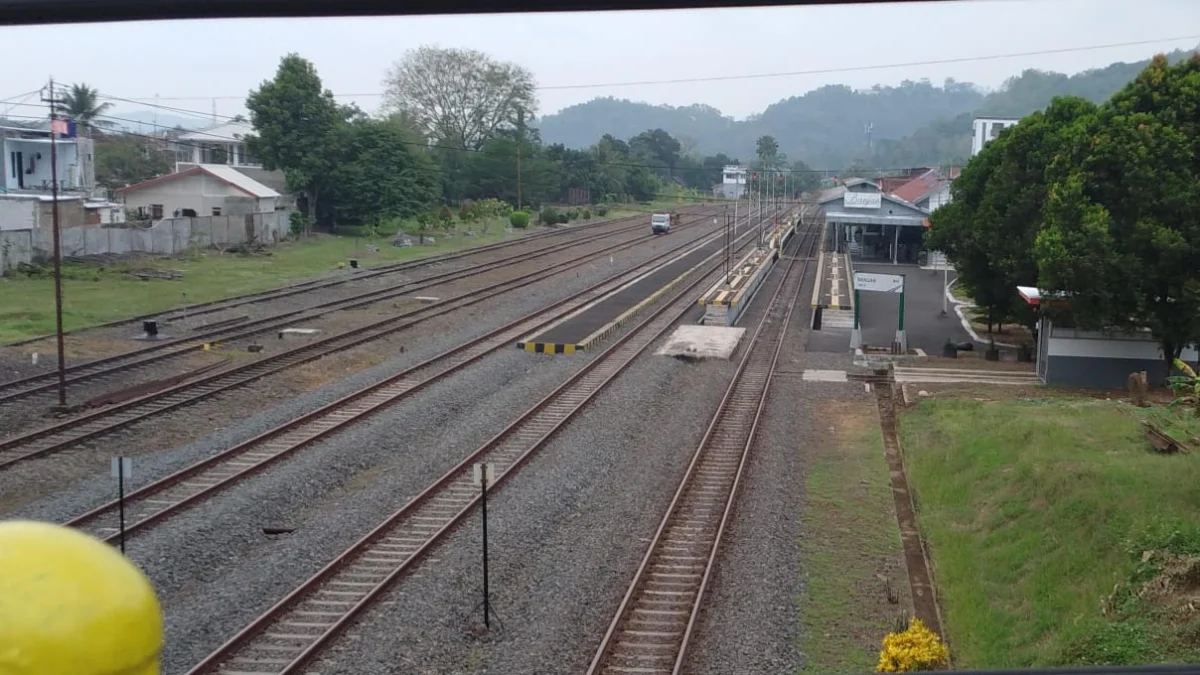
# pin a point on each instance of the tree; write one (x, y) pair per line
(297, 128)
(81, 103)
(766, 147)
(460, 97)
(382, 174)
(1120, 234)
(656, 147)
(125, 160)
(990, 228)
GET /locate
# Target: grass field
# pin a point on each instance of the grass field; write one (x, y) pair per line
(1057, 536)
(851, 544)
(94, 294)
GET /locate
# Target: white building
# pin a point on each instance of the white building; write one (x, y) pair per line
(201, 190)
(733, 182)
(985, 129)
(27, 162)
(222, 144)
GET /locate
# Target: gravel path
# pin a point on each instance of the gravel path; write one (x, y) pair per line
(565, 536)
(40, 477)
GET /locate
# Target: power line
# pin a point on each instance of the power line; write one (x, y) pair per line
(794, 73)
(431, 146)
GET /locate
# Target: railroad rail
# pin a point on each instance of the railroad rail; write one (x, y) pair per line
(70, 432)
(165, 349)
(201, 308)
(202, 480)
(656, 617)
(291, 633)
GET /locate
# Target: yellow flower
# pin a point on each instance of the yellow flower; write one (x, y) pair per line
(917, 648)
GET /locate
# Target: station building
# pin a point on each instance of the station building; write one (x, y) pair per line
(870, 225)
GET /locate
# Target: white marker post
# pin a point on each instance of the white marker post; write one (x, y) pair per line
(880, 283)
(484, 475)
(122, 468)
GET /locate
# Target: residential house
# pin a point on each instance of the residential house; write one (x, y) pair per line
(733, 182)
(929, 190)
(225, 144)
(200, 190)
(27, 166)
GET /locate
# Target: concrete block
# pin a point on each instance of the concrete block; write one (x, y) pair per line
(702, 342)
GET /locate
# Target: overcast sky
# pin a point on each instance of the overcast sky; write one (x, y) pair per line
(188, 63)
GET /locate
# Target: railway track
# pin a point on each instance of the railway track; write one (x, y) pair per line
(158, 351)
(298, 627)
(171, 494)
(73, 431)
(656, 617)
(202, 308)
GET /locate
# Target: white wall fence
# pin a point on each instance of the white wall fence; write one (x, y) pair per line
(168, 236)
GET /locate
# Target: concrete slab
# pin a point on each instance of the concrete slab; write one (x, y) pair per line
(703, 342)
(834, 288)
(824, 376)
(298, 332)
(924, 324)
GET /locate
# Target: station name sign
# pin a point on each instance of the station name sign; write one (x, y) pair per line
(883, 283)
(862, 200)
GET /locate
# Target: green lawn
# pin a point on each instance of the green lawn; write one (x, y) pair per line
(851, 539)
(1039, 515)
(95, 294)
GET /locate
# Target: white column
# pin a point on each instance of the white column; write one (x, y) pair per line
(196, 154)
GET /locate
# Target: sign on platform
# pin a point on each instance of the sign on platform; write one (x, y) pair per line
(122, 467)
(884, 283)
(481, 469)
(862, 200)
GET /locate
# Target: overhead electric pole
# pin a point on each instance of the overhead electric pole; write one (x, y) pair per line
(520, 142)
(58, 317)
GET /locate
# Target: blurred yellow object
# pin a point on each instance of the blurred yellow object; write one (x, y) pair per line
(72, 605)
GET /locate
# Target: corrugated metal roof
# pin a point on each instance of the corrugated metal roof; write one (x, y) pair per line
(240, 180)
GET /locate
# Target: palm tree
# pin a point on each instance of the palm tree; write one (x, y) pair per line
(82, 104)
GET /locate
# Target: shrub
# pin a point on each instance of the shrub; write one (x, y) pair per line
(549, 216)
(563, 218)
(519, 219)
(602, 210)
(466, 211)
(916, 648)
(573, 214)
(445, 216)
(587, 214)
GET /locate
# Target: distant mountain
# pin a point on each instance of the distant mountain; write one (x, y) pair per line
(144, 121)
(913, 124)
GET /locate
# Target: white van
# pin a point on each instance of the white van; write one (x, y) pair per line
(660, 223)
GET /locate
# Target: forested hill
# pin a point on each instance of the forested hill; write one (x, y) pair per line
(916, 123)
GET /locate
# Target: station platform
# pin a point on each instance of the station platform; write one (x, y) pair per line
(925, 327)
(593, 322)
(725, 300)
(834, 289)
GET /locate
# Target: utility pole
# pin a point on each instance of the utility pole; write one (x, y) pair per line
(58, 318)
(520, 142)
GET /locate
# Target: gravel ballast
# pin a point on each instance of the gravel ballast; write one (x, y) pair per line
(40, 477)
(565, 536)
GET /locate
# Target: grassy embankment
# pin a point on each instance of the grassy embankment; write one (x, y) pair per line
(1057, 536)
(851, 545)
(94, 293)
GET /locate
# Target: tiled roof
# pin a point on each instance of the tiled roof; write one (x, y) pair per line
(916, 189)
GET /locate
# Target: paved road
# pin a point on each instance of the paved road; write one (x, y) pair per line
(926, 328)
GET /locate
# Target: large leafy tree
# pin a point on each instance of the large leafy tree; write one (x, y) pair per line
(460, 97)
(766, 147)
(298, 127)
(990, 227)
(657, 148)
(82, 104)
(1121, 234)
(384, 173)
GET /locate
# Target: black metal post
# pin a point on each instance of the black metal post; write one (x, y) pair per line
(487, 609)
(121, 497)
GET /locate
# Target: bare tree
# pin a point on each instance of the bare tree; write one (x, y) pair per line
(459, 97)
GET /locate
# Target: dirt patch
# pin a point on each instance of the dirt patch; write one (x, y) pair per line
(1176, 586)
